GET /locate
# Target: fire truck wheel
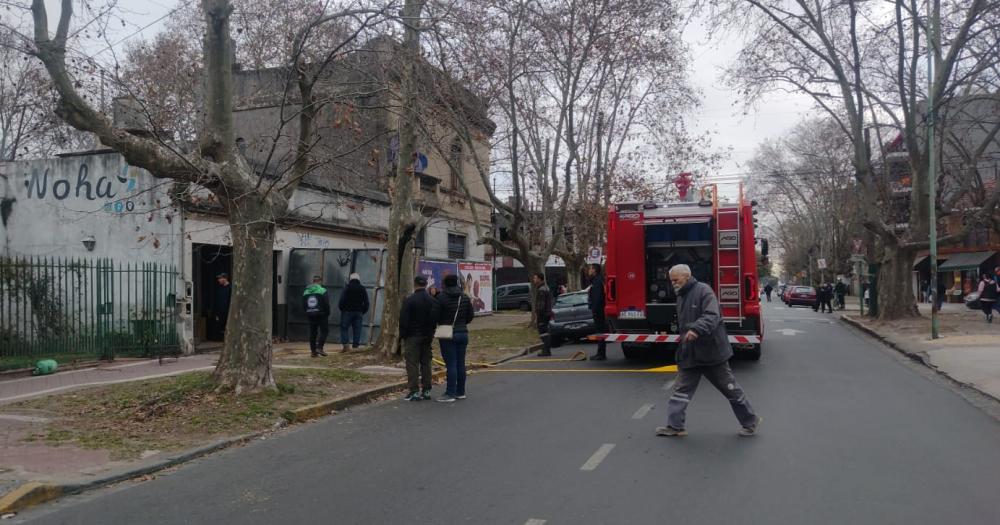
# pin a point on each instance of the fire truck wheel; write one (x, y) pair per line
(631, 351)
(754, 353)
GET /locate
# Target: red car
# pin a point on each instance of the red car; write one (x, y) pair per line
(801, 296)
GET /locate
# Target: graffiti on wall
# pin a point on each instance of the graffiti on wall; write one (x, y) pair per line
(117, 191)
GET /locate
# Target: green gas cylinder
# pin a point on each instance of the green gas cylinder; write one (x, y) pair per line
(45, 367)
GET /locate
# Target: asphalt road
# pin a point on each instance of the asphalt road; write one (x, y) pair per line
(852, 433)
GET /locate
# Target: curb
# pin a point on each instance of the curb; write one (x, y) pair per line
(919, 357)
(35, 493)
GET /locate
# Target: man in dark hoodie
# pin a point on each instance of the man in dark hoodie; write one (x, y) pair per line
(353, 306)
(595, 301)
(417, 321)
(457, 311)
(543, 312)
(316, 303)
(704, 351)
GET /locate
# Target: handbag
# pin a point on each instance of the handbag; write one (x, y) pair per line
(447, 331)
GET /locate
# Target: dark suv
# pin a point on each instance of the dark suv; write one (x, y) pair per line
(510, 296)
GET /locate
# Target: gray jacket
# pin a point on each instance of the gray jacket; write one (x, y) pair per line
(698, 310)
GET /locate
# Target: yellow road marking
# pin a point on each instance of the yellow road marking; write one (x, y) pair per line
(658, 370)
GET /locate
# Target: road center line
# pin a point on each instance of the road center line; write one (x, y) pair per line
(534, 521)
(598, 456)
(643, 410)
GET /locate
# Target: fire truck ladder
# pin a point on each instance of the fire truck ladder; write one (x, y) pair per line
(728, 262)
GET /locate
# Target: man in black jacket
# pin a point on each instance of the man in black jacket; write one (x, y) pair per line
(543, 311)
(316, 303)
(595, 301)
(353, 306)
(704, 351)
(417, 322)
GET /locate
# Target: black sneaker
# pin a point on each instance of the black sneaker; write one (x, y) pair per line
(598, 357)
(413, 396)
(426, 395)
(460, 396)
(321, 352)
(751, 430)
(543, 353)
(447, 399)
(671, 432)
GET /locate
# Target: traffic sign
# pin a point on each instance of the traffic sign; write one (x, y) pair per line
(821, 263)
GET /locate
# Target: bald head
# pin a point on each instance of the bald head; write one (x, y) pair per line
(679, 276)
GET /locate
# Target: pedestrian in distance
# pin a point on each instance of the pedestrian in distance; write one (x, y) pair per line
(417, 321)
(989, 292)
(543, 311)
(353, 306)
(595, 302)
(826, 296)
(316, 303)
(767, 291)
(220, 307)
(704, 351)
(840, 290)
(941, 290)
(457, 312)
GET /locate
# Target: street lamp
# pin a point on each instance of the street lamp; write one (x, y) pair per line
(932, 43)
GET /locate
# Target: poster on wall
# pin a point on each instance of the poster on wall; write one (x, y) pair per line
(477, 279)
(435, 271)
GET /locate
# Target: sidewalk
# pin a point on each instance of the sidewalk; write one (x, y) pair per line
(968, 350)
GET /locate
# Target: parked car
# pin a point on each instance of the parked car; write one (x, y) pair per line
(972, 301)
(572, 319)
(511, 296)
(786, 292)
(802, 296)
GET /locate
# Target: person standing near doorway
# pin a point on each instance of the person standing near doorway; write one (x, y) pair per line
(417, 321)
(353, 306)
(316, 303)
(543, 312)
(220, 305)
(595, 302)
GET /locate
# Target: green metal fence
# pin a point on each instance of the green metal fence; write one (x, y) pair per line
(84, 309)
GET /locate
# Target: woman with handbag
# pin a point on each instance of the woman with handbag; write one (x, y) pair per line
(453, 334)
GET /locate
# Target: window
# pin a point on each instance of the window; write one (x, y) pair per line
(456, 246)
(420, 239)
(455, 161)
(428, 183)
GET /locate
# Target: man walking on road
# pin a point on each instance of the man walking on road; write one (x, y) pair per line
(316, 302)
(595, 301)
(353, 306)
(825, 296)
(840, 290)
(704, 351)
(417, 322)
(767, 291)
(543, 311)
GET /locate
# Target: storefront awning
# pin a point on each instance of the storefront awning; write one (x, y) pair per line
(919, 259)
(922, 260)
(965, 261)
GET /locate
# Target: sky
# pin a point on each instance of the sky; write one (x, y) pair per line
(721, 113)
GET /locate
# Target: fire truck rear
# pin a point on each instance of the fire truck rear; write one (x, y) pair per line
(715, 238)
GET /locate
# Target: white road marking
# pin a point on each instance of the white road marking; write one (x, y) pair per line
(534, 521)
(643, 410)
(598, 456)
(789, 331)
(668, 385)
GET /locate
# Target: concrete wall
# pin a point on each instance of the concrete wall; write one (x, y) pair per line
(55, 203)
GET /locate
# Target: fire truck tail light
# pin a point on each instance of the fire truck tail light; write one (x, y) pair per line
(612, 290)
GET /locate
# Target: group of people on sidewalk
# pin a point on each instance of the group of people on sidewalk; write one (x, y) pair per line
(353, 306)
(444, 316)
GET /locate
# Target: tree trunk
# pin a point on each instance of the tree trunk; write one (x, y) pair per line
(574, 269)
(402, 225)
(245, 363)
(895, 290)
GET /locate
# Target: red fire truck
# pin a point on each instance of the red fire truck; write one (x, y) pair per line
(715, 238)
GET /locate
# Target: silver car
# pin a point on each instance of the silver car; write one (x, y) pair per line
(510, 296)
(572, 318)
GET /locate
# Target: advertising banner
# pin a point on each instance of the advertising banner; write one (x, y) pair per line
(477, 279)
(435, 271)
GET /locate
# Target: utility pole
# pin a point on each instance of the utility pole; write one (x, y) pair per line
(934, 16)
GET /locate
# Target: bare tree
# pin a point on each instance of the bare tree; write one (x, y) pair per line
(252, 199)
(863, 66)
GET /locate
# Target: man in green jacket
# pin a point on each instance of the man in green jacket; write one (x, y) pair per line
(316, 303)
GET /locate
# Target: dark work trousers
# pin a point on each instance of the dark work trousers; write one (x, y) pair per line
(721, 377)
(768, 296)
(601, 325)
(824, 304)
(418, 362)
(543, 334)
(318, 326)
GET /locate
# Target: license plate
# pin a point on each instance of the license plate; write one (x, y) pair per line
(632, 314)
